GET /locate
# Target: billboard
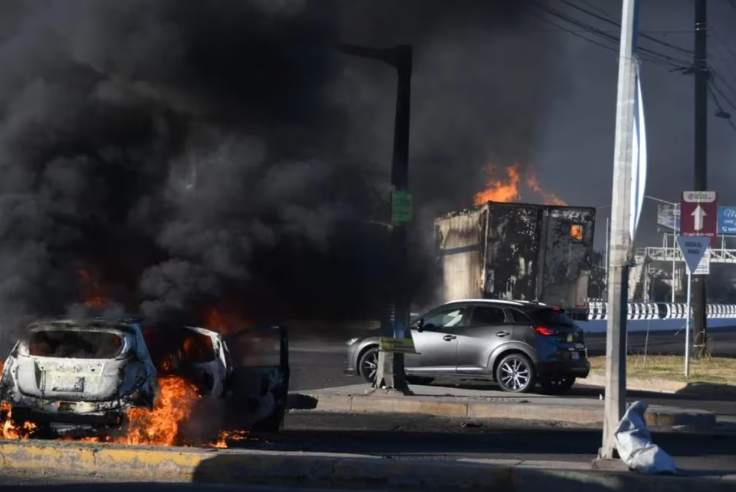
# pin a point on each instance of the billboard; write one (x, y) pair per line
(668, 216)
(727, 221)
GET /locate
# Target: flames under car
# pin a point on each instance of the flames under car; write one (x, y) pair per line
(69, 374)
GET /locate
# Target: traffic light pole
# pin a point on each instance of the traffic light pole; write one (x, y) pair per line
(700, 67)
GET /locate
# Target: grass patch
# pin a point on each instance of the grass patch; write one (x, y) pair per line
(717, 370)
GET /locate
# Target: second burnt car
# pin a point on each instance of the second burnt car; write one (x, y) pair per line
(84, 375)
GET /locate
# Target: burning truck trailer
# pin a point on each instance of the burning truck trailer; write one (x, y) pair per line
(131, 382)
(517, 251)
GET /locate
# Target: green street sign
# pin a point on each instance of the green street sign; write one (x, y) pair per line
(402, 211)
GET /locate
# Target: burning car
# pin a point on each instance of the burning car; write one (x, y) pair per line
(75, 377)
(67, 372)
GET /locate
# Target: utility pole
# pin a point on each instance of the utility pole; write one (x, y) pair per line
(700, 67)
(620, 247)
(391, 365)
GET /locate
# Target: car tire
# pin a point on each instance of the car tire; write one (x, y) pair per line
(515, 374)
(419, 380)
(368, 365)
(558, 386)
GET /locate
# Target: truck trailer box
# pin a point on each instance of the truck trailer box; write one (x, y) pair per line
(517, 251)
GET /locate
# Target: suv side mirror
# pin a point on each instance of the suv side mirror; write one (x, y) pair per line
(420, 324)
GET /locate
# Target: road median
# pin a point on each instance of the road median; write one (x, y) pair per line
(442, 402)
(134, 464)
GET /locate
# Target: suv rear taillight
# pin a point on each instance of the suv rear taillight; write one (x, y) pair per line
(544, 331)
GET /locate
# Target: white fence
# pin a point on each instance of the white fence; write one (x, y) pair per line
(598, 310)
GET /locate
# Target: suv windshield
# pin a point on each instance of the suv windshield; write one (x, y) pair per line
(553, 317)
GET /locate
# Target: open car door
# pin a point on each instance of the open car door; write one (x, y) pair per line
(258, 385)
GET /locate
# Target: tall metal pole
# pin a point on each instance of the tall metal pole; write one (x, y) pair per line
(674, 250)
(608, 244)
(620, 247)
(700, 67)
(687, 325)
(400, 183)
(391, 365)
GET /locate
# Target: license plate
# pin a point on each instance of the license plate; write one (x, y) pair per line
(574, 355)
(65, 382)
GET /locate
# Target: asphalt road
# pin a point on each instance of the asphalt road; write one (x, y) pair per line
(59, 483)
(427, 437)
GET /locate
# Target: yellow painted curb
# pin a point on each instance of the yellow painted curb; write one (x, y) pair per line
(133, 464)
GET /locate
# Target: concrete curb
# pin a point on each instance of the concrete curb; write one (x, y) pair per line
(702, 390)
(572, 414)
(128, 464)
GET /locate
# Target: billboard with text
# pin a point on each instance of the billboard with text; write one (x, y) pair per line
(668, 216)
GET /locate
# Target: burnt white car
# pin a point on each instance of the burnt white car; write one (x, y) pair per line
(71, 374)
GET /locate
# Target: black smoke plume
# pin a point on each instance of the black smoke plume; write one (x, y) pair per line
(182, 152)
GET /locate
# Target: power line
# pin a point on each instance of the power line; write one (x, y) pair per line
(721, 112)
(717, 77)
(578, 34)
(644, 53)
(613, 22)
(720, 92)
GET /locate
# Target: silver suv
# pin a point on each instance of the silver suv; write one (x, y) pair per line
(515, 343)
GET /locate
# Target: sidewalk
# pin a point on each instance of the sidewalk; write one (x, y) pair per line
(482, 404)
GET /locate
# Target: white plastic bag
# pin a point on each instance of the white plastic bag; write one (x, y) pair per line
(635, 446)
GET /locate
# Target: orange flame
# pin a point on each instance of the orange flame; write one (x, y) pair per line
(90, 291)
(226, 436)
(508, 189)
(223, 321)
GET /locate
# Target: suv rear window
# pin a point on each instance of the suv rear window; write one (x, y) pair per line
(74, 344)
(552, 317)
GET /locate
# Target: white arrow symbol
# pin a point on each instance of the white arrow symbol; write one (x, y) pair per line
(698, 213)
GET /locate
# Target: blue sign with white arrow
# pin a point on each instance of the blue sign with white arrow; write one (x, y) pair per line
(727, 221)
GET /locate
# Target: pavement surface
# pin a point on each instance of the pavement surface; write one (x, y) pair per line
(427, 437)
(10, 480)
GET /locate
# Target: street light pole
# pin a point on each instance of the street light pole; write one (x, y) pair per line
(391, 371)
(674, 250)
(620, 233)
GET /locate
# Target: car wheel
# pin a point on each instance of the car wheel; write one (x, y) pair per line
(515, 374)
(558, 386)
(419, 380)
(368, 365)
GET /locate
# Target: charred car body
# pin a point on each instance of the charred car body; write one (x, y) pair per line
(69, 375)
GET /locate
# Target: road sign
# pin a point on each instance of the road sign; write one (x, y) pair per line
(401, 207)
(703, 264)
(693, 250)
(699, 214)
(727, 221)
(397, 345)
